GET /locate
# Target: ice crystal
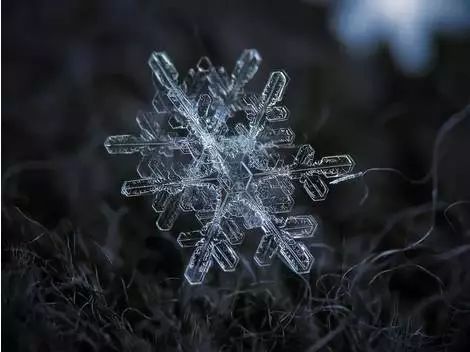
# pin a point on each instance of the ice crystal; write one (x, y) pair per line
(214, 149)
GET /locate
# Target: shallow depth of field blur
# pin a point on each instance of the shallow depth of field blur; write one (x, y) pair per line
(386, 81)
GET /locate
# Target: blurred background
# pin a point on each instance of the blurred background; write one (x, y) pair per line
(386, 81)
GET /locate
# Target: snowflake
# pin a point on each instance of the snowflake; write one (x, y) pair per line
(227, 159)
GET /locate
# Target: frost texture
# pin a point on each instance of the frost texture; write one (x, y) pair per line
(213, 149)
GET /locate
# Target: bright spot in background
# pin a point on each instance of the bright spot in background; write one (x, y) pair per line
(406, 26)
